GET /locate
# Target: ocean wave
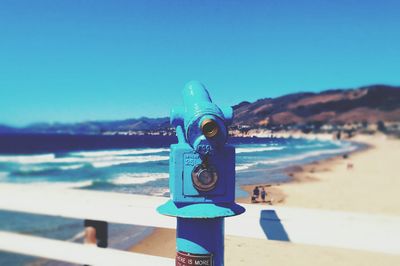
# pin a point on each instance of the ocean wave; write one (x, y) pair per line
(258, 149)
(308, 155)
(28, 159)
(118, 152)
(317, 145)
(107, 162)
(33, 169)
(72, 167)
(245, 166)
(79, 162)
(298, 157)
(138, 178)
(66, 185)
(161, 192)
(3, 175)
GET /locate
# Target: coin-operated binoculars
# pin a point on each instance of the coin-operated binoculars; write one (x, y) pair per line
(202, 178)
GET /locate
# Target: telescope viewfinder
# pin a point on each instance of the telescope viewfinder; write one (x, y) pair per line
(209, 128)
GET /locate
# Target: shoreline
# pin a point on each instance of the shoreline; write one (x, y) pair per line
(366, 181)
(161, 242)
(298, 174)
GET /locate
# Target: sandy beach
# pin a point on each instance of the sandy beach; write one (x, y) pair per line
(367, 181)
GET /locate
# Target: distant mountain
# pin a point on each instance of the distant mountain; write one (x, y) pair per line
(369, 104)
(6, 129)
(92, 127)
(366, 104)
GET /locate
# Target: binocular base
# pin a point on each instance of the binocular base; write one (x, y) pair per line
(200, 210)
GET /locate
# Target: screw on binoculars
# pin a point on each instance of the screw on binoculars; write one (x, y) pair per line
(202, 177)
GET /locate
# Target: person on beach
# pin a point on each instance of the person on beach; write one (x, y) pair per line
(256, 194)
(253, 198)
(263, 194)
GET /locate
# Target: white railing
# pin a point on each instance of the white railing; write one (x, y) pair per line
(84, 204)
(376, 233)
(73, 252)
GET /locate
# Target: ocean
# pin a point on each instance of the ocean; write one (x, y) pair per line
(129, 164)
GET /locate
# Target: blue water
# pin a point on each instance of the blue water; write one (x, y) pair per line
(129, 164)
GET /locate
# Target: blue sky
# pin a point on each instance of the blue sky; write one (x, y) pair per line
(86, 60)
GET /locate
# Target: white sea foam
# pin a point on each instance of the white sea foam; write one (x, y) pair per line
(308, 155)
(35, 168)
(119, 152)
(258, 149)
(317, 145)
(28, 159)
(302, 156)
(110, 161)
(32, 168)
(80, 184)
(72, 167)
(95, 161)
(242, 167)
(138, 178)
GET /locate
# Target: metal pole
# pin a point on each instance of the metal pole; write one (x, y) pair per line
(202, 178)
(200, 241)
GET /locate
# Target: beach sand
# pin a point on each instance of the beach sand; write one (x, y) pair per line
(367, 181)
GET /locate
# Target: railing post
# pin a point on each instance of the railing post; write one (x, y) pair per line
(202, 178)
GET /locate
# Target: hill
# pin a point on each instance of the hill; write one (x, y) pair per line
(92, 127)
(377, 104)
(370, 104)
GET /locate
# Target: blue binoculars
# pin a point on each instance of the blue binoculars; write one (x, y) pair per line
(202, 164)
(202, 178)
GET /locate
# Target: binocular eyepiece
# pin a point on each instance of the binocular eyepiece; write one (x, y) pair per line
(203, 123)
(209, 128)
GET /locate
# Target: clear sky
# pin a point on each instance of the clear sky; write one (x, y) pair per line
(63, 60)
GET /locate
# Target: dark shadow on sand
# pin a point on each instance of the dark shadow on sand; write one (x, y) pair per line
(272, 226)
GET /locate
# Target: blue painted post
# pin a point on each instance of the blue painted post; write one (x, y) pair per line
(202, 178)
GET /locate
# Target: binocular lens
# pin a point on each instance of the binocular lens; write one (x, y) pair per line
(209, 128)
(204, 178)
